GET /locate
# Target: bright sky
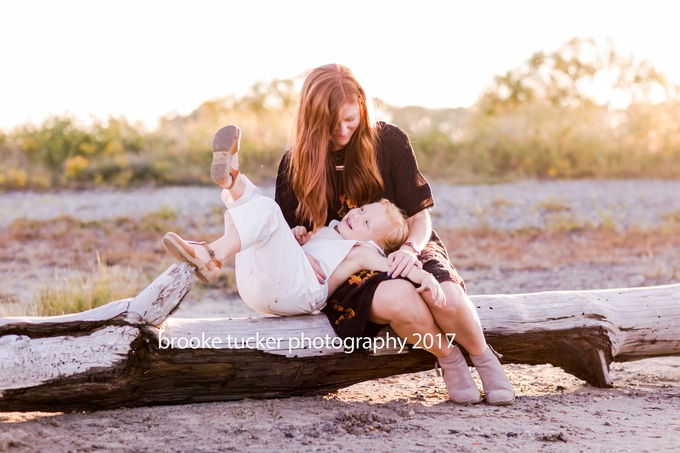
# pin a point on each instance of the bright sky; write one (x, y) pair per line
(144, 59)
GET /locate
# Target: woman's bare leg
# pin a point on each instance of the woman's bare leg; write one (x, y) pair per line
(458, 316)
(397, 303)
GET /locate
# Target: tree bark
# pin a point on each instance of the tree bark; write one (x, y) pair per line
(127, 353)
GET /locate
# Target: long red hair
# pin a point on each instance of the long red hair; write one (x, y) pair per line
(312, 171)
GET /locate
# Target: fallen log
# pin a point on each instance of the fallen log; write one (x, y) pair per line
(128, 353)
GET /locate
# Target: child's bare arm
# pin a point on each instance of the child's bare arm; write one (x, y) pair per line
(366, 258)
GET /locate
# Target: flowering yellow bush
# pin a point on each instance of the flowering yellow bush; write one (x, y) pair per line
(75, 165)
(16, 178)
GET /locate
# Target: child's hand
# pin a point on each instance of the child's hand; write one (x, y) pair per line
(431, 284)
(301, 234)
(318, 271)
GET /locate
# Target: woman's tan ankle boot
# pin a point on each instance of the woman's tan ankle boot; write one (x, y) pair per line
(459, 383)
(497, 386)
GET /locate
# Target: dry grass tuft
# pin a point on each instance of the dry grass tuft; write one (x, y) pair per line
(673, 219)
(553, 204)
(76, 292)
(548, 248)
(93, 262)
(99, 262)
(66, 242)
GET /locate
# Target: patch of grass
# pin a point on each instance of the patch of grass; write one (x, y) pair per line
(160, 221)
(500, 203)
(77, 292)
(8, 305)
(553, 204)
(655, 251)
(102, 258)
(608, 222)
(96, 262)
(226, 280)
(564, 222)
(8, 299)
(672, 218)
(608, 219)
(217, 212)
(656, 268)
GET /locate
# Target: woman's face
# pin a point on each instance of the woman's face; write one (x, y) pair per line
(347, 124)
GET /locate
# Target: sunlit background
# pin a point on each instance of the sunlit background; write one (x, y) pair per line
(103, 93)
(145, 59)
(110, 95)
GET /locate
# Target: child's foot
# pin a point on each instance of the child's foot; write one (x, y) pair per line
(225, 168)
(197, 253)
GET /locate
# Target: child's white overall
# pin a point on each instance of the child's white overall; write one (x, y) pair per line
(273, 274)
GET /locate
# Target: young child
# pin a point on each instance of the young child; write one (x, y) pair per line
(273, 272)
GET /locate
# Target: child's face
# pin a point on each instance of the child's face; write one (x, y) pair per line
(367, 223)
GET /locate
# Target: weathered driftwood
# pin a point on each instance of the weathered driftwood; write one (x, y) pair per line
(127, 354)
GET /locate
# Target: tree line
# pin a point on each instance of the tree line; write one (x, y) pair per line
(583, 110)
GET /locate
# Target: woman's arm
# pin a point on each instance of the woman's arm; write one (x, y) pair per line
(406, 187)
(403, 260)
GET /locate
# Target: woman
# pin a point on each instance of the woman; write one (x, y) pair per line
(273, 273)
(339, 160)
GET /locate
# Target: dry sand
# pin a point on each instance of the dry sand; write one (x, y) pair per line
(553, 412)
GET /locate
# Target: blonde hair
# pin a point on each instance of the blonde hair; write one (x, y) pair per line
(311, 170)
(398, 233)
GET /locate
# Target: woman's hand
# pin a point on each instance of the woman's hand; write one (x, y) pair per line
(301, 234)
(431, 284)
(317, 268)
(401, 262)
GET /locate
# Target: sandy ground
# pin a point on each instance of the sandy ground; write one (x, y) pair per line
(554, 411)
